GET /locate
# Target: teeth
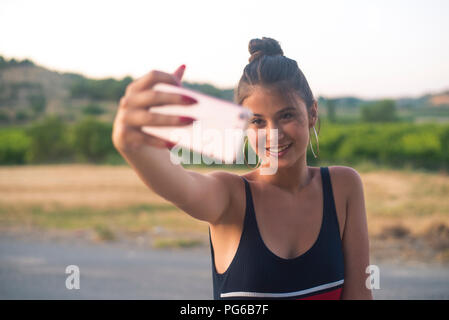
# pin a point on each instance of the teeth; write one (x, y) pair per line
(278, 150)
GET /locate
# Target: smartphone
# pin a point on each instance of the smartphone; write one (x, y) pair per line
(216, 135)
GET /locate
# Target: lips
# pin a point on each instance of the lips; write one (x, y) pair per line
(279, 148)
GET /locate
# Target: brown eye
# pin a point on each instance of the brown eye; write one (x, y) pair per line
(255, 121)
(287, 115)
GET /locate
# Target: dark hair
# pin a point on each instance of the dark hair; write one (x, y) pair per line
(269, 68)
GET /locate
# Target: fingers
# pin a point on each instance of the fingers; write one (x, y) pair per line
(179, 73)
(155, 141)
(150, 79)
(138, 118)
(151, 98)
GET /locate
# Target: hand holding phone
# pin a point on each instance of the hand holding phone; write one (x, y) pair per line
(217, 131)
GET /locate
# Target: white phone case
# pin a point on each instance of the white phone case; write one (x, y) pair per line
(217, 132)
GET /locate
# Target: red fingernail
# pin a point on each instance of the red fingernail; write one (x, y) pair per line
(170, 145)
(188, 99)
(186, 120)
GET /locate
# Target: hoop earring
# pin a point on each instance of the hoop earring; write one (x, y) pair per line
(317, 144)
(245, 146)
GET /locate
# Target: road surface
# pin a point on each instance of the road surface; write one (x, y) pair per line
(36, 270)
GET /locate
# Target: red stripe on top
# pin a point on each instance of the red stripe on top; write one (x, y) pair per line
(330, 295)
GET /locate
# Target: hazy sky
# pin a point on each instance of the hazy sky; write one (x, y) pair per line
(369, 49)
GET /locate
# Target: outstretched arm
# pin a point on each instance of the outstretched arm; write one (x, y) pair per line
(203, 196)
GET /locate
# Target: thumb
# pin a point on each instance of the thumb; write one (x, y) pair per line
(179, 73)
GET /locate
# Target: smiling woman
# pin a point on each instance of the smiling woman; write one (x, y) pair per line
(270, 81)
(288, 242)
(298, 233)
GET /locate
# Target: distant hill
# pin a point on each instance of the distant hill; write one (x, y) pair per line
(29, 91)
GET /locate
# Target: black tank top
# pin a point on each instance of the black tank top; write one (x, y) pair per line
(257, 273)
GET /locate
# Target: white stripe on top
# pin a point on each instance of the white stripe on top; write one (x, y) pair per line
(280, 295)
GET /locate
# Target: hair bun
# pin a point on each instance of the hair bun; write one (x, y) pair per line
(264, 47)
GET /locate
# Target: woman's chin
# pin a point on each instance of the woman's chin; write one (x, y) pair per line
(284, 161)
(279, 162)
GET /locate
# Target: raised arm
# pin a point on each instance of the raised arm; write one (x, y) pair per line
(203, 196)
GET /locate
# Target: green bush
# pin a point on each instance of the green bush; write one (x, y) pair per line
(49, 141)
(423, 147)
(399, 144)
(102, 89)
(14, 144)
(37, 103)
(391, 144)
(22, 115)
(92, 140)
(444, 143)
(4, 117)
(93, 109)
(379, 111)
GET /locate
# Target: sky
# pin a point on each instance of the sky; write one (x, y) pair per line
(369, 49)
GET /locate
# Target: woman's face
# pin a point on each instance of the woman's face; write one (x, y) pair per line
(292, 122)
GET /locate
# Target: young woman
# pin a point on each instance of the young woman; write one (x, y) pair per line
(300, 233)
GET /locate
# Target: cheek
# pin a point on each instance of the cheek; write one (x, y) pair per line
(253, 137)
(296, 130)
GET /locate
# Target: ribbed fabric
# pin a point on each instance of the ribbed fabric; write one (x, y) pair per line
(257, 273)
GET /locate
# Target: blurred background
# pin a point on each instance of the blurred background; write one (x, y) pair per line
(380, 73)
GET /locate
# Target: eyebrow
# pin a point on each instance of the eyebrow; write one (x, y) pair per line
(280, 111)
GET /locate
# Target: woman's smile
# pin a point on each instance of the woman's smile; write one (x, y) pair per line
(279, 151)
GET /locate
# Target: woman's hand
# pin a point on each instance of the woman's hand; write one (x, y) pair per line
(132, 113)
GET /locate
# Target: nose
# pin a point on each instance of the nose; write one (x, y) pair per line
(274, 134)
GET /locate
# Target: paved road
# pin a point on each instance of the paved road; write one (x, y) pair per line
(36, 270)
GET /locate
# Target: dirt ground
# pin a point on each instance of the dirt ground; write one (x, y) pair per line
(408, 212)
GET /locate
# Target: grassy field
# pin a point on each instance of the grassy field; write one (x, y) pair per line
(111, 202)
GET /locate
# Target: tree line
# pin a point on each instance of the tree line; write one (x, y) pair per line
(52, 140)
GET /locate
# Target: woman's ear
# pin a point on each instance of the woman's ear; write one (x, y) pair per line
(313, 114)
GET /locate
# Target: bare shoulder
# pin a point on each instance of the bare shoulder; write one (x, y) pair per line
(346, 186)
(345, 178)
(343, 170)
(229, 179)
(234, 186)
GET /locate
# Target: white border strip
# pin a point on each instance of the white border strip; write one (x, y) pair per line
(280, 295)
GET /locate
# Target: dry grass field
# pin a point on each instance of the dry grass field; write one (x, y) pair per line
(408, 212)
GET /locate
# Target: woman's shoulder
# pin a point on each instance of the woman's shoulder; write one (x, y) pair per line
(234, 184)
(228, 177)
(347, 185)
(344, 176)
(343, 170)
(231, 180)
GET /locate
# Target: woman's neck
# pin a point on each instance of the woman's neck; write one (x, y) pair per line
(292, 179)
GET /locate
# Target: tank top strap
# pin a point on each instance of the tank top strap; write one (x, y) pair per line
(250, 232)
(329, 211)
(249, 198)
